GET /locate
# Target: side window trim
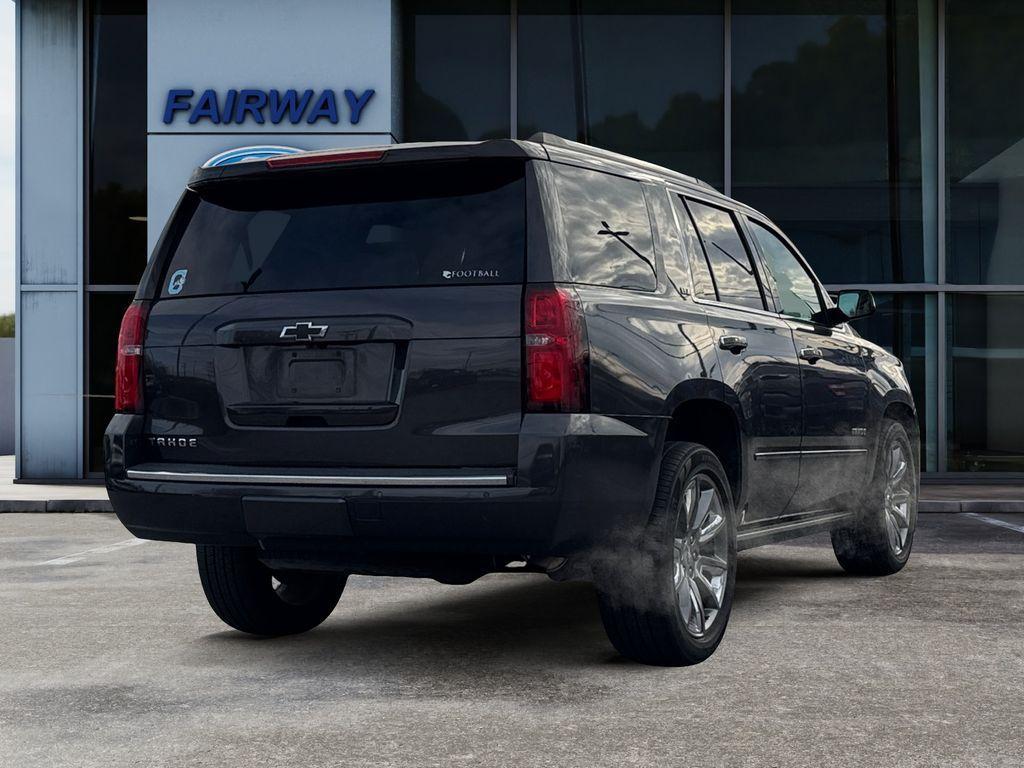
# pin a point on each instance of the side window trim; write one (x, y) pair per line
(703, 250)
(657, 235)
(769, 287)
(690, 288)
(744, 239)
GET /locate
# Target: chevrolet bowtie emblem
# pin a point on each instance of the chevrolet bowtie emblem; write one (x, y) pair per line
(304, 331)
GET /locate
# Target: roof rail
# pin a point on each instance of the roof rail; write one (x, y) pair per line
(554, 140)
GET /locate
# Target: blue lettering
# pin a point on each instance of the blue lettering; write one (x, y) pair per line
(357, 103)
(174, 103)
(252, 102)
(206, 107)
(227, 114)
(291, 103)
(326, 106)
(239, 106)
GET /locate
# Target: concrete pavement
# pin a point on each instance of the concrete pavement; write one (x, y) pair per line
(48, 497)
(110, 657)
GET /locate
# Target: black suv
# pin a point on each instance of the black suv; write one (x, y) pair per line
(447, 360)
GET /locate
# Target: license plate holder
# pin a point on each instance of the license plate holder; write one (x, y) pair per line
(317, 374)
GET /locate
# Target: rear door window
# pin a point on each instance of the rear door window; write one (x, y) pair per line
(415, 225)
(607, 228)
(731, 265)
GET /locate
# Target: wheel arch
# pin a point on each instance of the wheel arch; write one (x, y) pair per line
(712, 422)
(902, 411)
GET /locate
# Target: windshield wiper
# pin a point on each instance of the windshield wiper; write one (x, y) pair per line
(247, 284)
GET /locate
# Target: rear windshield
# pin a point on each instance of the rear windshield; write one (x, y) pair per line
(429, 224)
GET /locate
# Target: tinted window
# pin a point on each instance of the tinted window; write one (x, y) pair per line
(833, 119)
(607, 228)
(456, 69)
(984, 137)
(730, 262)
(115, 246)
(703, 285)
(795, 288)
(397, 226)
(117, 142)
(643, 77)
(985, 359)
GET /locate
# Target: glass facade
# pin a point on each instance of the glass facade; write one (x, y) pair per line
(877, 133)
(883, 136)
(984, 221)
(903, 323)
(456, 66)
(986, 368)
(984, 141)
(116, 200)
(826, 132)
(643, 78)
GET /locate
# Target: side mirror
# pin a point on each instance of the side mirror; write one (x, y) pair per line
(856, 304)
(851, 304)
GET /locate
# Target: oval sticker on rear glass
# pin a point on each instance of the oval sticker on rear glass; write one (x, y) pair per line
(177, 282)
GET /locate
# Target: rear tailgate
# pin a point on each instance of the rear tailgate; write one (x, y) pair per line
(364, 319)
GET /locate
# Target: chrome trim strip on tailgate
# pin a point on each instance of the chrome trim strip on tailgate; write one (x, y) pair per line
(332, 480)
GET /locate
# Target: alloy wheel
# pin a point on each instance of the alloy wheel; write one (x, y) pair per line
(700, 555)
(899, 492)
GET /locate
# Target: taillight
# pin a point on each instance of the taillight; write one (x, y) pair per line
(556, 350)
(128, 379)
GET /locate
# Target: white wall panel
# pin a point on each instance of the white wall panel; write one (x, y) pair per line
(50, 437)
(49, 239)
(265, 44)
(50, 136)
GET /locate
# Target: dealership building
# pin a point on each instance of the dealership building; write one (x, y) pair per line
(886, 137)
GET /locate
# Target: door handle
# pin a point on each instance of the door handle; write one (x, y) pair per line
(734, 344)
(811, 354)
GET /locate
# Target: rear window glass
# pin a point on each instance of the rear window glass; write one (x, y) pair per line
(429, 224)
(607, 228)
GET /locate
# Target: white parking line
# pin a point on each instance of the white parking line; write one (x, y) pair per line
(996, 521)
(68, 559)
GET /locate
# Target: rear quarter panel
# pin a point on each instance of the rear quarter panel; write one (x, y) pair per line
(647, 352)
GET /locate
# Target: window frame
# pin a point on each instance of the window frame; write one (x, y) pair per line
(687, 196)
(675, 199)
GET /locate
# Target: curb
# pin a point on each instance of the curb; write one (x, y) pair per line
(935, 505)
(13, 506)
(971, 505)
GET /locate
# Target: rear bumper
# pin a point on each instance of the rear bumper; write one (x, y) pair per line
(580, 479)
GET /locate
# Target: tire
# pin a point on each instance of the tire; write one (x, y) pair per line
(242, 592)
(878, 543)
(645, 592)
